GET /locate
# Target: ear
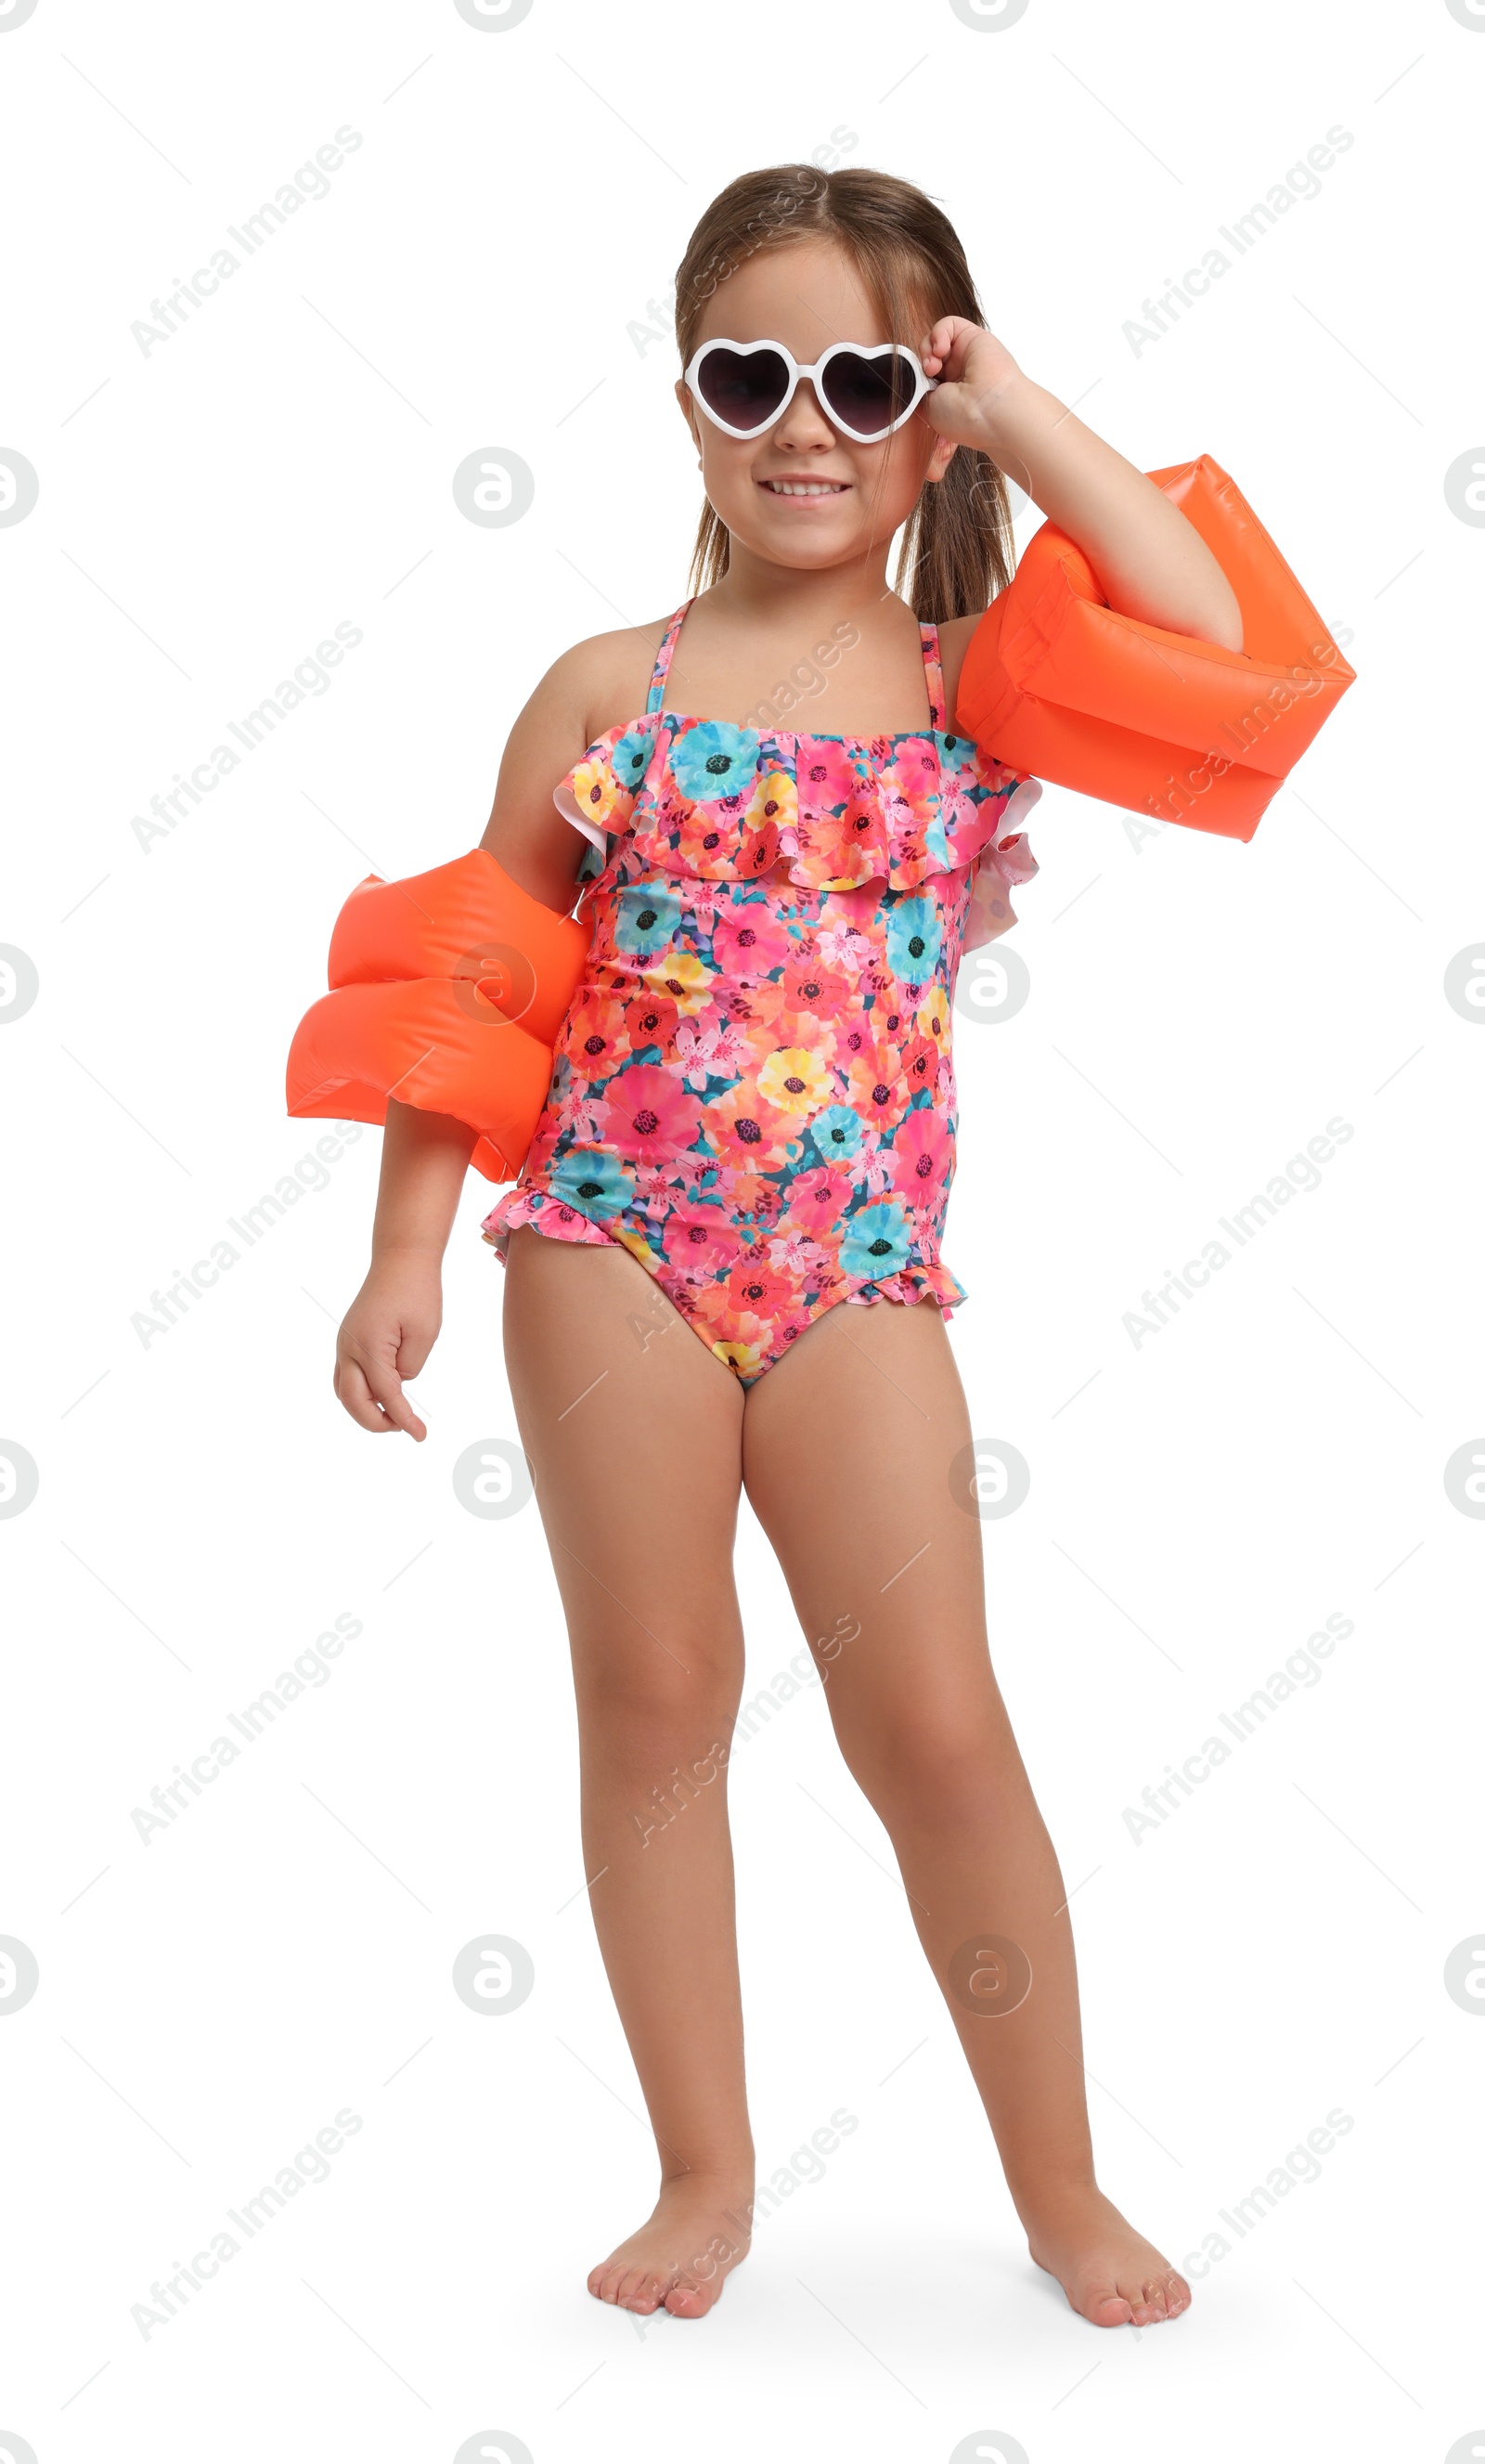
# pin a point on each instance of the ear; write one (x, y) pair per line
(944, 451)
(683, 395)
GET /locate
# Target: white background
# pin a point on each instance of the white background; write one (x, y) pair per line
(1198, 1504)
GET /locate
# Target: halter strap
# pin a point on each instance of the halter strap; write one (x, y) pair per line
(663, 657)
(927, 636)
(934, 673)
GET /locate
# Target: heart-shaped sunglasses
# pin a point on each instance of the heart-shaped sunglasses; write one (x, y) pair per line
(866, 389)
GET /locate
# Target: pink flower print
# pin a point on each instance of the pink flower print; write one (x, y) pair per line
(921, 1156)
(750, 941)
(705, 898)
(827, 778)
(549, 1130)
(711, 1046)
(877, 1179)
(909, 808)
(917, 764)
(584, 1115)
(698, 1239)
(654, 1186)
(857, 907)
(841, 946)
(819, 1198)
(956, 801)
(757, 1287)
(668, 807)
(648, 1114)
(796, 1254)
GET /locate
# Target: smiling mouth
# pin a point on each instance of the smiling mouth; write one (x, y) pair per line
(805, 487)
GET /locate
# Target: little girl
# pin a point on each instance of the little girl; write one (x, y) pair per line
(721, 1258)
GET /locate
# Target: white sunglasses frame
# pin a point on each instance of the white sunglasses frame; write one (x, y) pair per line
(924, 385)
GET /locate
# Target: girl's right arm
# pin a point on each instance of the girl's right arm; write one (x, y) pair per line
(391, 1325)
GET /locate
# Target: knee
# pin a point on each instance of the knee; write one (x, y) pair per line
(936, 1770)
(656, 1752)
(661, 1710)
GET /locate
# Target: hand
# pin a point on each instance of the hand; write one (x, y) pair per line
(386, 1335)
(974, 369)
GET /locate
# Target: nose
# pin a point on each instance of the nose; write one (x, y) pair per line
(804, 426)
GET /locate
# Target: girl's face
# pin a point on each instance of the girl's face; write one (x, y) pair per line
(807, 295)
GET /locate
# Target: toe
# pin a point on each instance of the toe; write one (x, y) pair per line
(1178, 2293)
(1154, 2290)
(637, 2290)
(1106, 2307)
(1140, 2312)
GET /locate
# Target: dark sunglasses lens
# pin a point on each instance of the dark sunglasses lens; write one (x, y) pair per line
(868, 394)
(747, 391)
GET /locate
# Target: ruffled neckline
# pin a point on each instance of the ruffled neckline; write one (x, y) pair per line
(707, 797)
(777, 735)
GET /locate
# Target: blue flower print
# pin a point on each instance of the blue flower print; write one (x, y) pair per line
(630, 758)
(645, 920)
(592, 1182)
(876, 1241)
(836, 1133)
(913, 938)
(715, 760)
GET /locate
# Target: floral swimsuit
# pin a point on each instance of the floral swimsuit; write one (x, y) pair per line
(753, 1090)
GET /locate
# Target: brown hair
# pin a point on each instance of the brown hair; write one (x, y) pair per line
(957, 551)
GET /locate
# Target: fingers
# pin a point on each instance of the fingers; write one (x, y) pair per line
(938, 345)
(372, 1393)
(412, 1352)
(386, 1335)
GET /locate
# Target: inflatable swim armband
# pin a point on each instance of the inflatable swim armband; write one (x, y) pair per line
(1058, 685)
(446, 990)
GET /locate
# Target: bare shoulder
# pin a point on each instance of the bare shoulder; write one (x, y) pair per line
(597, 684)
(606, 677)
(954, 637)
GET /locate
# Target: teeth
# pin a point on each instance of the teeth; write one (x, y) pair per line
(806, 487)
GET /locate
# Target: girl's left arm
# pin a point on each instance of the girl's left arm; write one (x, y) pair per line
(1150, 561)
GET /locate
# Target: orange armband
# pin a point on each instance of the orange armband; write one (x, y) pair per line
(446, 990)
(1057, 684)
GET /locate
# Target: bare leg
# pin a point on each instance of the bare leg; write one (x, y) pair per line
(633, 1432)
(866, 1525)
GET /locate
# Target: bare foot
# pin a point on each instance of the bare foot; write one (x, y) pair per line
(1110, 2273)
(697, 2234)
